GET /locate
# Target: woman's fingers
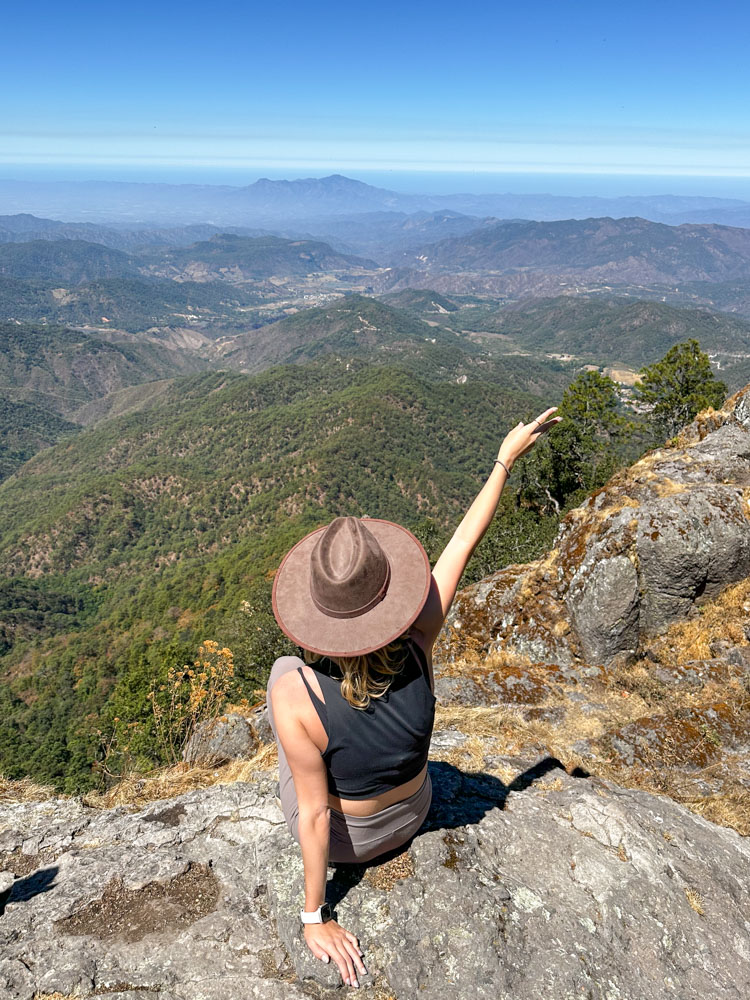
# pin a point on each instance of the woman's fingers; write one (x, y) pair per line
(318, 952)
(353, 939)
(343, 948)
(342, 966)
(346, 965)
(543, 417)
(355, 953)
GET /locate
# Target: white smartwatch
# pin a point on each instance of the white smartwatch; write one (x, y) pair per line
(318, 916)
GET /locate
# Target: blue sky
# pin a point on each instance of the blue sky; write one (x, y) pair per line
(655, 88)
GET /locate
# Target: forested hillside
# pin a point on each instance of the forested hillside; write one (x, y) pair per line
(134, 303)
(146, 533)
(593, 329)
(62, 369)
(73, 261)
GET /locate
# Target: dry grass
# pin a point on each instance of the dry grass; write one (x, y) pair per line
(177, 779)
(385, 876)
(474, 659)
(493, 721)
(725, 617)
(468, 757)
(555, 785)
(381, 991)
(26, 790)
(695, 901)
(729, 808)
(705, 422)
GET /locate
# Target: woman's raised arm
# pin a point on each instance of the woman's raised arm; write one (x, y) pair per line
(449, 568)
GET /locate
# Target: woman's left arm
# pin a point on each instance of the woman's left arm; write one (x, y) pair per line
(450, 566)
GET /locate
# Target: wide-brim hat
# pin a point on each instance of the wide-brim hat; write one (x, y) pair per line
(350, 587)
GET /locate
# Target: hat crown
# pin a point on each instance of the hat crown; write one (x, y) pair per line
(349, 572)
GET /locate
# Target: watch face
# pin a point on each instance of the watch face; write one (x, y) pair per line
(325, 912)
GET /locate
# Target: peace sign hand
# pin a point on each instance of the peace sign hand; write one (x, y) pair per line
(523, 437)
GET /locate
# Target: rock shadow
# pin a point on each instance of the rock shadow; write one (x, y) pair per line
(459, 798)
(29, 886)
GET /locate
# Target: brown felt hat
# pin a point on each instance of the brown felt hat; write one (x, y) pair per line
(351, 587)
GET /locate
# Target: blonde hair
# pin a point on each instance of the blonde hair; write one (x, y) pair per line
(367, 677)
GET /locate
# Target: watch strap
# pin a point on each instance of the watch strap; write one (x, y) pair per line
(319, 916)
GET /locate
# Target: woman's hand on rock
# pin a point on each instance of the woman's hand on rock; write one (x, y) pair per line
(328, 941)
(523, 437)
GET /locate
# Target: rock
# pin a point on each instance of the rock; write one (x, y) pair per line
(230, 737)
(196, 898)
(604, 604)
(458, 691)
(739, 656)
(258, 719)
(614, 881)
(6, 884)
(166, 901)
(448, 739)
(691, 739)
(661, 537)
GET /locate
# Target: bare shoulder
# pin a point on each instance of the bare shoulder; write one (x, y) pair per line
(290, 687)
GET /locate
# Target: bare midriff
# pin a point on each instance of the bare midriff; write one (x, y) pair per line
(368, 807)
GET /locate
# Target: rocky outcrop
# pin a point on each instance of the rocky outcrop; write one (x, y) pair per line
(626, 649)
(229, 737)
(539, 885)
(659, 539)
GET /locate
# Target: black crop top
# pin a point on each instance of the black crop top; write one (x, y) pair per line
(372, 750)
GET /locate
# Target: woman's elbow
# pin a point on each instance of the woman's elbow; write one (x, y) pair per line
(315, 815)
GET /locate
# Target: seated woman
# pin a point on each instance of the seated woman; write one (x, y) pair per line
(353, 723)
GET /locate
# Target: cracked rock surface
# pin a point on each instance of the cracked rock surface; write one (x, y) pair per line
(550, 886)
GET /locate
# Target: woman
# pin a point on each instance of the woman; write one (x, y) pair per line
(353, 724)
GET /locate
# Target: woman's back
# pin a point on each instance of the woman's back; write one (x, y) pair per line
(372, 750)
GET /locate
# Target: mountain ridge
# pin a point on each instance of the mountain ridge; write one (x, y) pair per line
(266, 199)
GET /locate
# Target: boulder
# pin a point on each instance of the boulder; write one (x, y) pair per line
(217, 741)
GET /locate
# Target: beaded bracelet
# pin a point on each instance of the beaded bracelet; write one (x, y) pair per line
(499, 461)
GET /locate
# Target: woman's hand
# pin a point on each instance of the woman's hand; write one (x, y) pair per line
(330, 941)
(523, 437)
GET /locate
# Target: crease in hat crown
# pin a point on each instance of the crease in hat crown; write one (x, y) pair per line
(349, 571)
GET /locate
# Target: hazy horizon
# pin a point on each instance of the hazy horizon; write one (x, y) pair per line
(432, 182)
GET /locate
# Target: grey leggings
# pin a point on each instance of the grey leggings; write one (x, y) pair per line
(353, 838)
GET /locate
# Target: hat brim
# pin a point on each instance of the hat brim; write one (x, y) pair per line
(305, 624)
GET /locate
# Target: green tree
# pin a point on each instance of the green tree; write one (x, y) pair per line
(580, 453)
(679, 386)
(517, 534)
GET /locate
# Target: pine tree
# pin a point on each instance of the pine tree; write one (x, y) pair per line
(679, 386)
(580, 453)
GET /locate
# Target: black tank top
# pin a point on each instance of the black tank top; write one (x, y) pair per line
(380, 747)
